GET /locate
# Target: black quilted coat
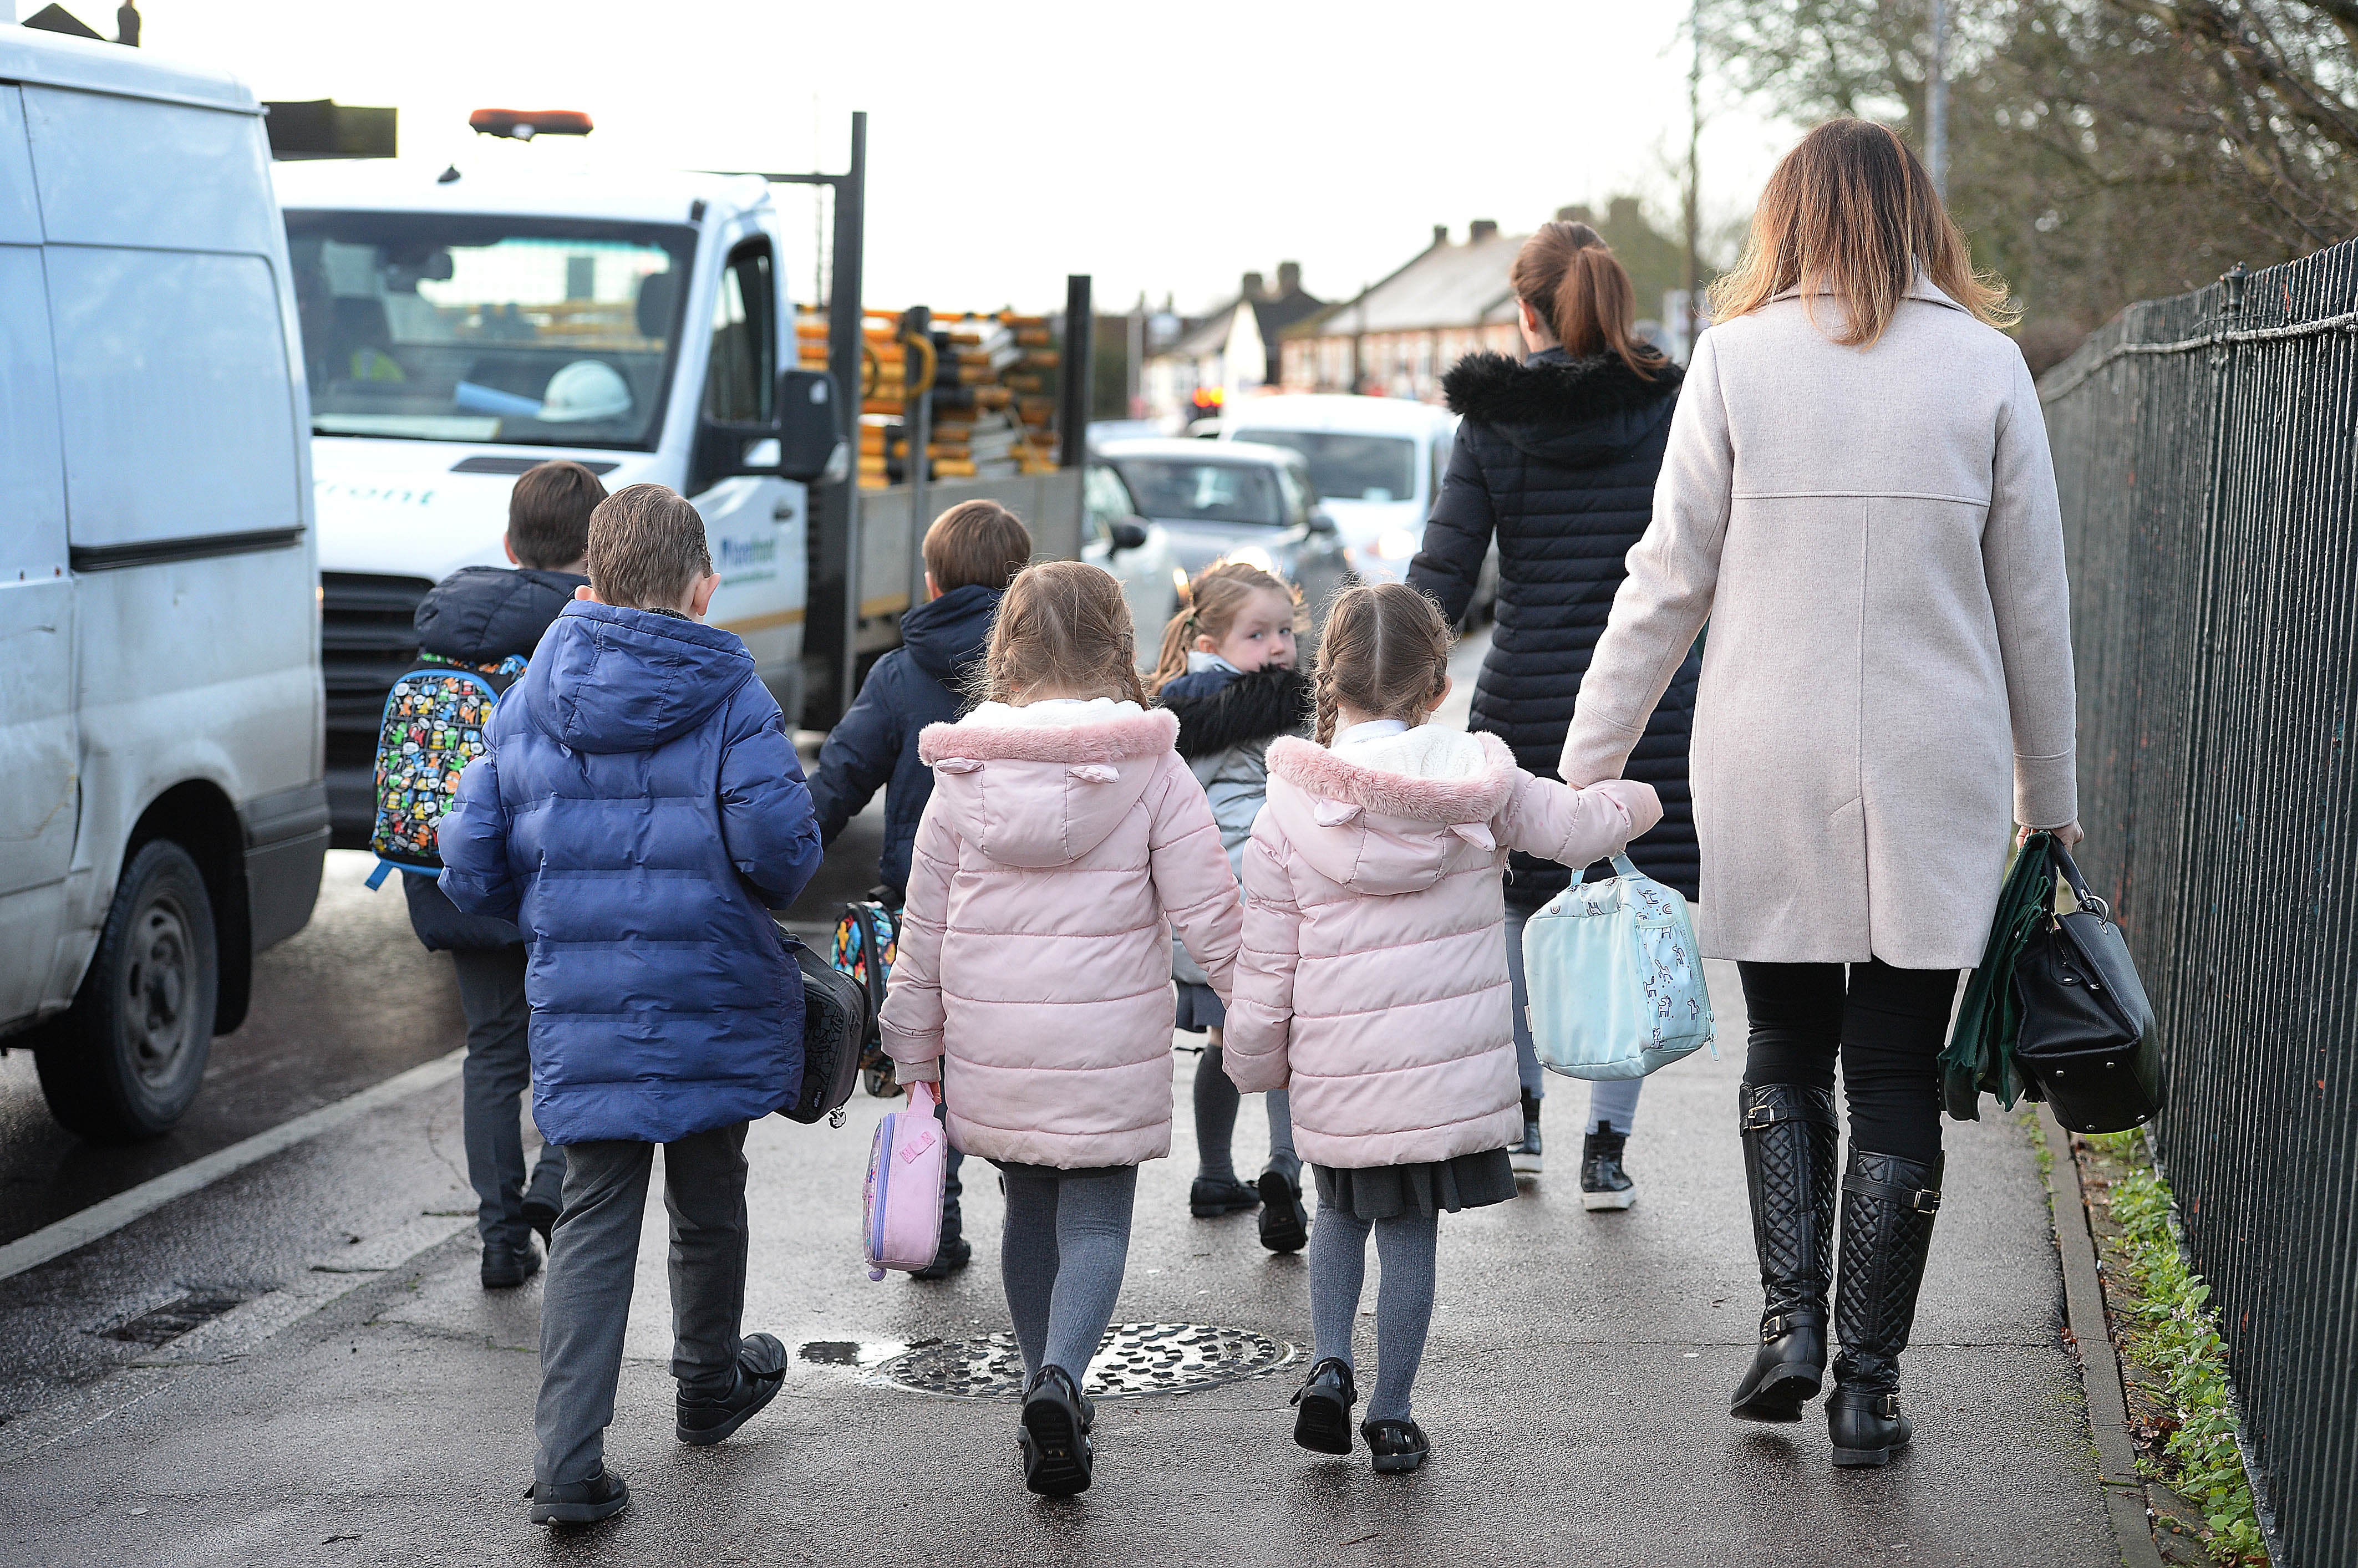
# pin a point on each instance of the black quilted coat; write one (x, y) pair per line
(1557, 458)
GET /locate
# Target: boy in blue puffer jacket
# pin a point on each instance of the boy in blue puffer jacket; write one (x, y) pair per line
(640, 805)
(972, 552)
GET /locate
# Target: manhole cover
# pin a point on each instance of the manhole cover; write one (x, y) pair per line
(160, 1326)
(1133, 1359)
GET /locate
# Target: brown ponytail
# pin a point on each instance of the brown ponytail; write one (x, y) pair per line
(1385, 651)
(1207, 608)
(1572, 280)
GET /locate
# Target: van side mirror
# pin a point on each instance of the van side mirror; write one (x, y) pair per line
(809, 430)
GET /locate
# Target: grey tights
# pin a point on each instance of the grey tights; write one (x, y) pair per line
(1061, 1256)
(1216, 1123)
(1338, 1267)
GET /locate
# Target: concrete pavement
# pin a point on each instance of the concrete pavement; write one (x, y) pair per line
(1575, 1388)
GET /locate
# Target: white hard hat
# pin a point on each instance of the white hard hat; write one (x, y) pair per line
(585, 390)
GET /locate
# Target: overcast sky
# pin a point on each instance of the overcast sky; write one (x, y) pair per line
(1167, 148)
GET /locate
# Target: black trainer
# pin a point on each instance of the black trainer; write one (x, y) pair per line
(760, 1371)
(1604, 1184)
(602, 1496)
(1212, 1196)
(1284, 1223)
(1058, 1458)
(1399, 1445)
(505, 1266)
(1326, 1400)
(1525, 1156)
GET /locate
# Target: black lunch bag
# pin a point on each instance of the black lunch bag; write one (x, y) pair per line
(2087, 1043)
(835, 1022)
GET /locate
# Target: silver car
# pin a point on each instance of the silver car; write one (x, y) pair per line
(1234, 500)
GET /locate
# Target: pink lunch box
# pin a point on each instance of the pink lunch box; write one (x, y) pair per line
(903, 1201)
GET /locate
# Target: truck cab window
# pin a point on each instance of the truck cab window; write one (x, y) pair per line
(742, 381)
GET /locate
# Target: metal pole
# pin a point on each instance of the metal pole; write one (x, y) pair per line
(832, 617)
(917, 424)
(1134, 362)
(1695, 177)
(1936, 103)
(1080, 345)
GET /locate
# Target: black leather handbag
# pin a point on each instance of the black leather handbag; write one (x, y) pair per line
(2086, 1045)
(835, 1022)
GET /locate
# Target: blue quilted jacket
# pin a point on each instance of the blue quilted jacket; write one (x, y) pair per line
(640, 805)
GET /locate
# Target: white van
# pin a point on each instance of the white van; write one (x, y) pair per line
(161, 812)
(1378, 463)
(461, 326)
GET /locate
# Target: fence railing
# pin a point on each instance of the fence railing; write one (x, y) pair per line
(2206, 447)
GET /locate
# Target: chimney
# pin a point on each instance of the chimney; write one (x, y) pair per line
(1622, 213)
(1252, 288)
(1289, 279)
(1440, 234)
(1575, 213)
(1481, 229)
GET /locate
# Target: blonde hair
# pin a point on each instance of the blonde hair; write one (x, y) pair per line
(1385, 651)
(1851, 212)
(1573, 282)
(1063, 624)
(1208, 608)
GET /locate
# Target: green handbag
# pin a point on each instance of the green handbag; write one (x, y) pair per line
(1979, 1058)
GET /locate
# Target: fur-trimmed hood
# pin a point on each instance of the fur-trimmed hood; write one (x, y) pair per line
(1395, 814)
(1575, 413)
(1259, 705)
(1045, 793)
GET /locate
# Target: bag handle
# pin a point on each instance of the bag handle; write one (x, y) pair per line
(924, 1093)
(1622, 866)
(2089, 903)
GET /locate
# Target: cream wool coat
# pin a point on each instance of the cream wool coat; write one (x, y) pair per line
(1872, 535)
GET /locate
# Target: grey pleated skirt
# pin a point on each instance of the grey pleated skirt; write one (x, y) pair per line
(1385, 1192)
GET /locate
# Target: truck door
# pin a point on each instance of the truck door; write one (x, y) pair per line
(38, 785)
(754, 522)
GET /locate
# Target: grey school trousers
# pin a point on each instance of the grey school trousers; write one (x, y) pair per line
(498, 1069)
(587, 1301)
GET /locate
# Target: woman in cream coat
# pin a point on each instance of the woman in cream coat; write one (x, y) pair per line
(1857, 497)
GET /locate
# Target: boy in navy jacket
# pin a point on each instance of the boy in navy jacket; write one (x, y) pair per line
(640, 806)
(972, 552)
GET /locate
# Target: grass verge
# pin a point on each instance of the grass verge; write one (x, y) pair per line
(2182, 1416)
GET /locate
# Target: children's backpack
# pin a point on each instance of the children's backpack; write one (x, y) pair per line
(433, 722)
(836, 1019)
(1614, 978)
(902, 1203)
(867, 940)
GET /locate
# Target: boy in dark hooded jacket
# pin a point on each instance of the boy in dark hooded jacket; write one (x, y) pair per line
(639, 808)
(972, 552)
(481, 616)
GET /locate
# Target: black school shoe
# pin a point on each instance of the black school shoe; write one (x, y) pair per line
(1058, 1457)
(602, 1496)
(1212, 1196)
(1284, 1223)
(956, 1253)
(1326, 1400)
(505, 1266)
(1399, 1445)
(761, 1372)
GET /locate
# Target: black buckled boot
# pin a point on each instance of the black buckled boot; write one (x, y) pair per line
(1789, 1134)
(1887, 1229)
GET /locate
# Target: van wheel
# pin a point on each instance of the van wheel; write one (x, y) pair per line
(128, 1056)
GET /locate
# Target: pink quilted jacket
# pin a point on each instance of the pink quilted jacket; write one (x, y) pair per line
(1373, 979)
(1051, 865)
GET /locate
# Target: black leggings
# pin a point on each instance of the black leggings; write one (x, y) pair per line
(1887, 1029)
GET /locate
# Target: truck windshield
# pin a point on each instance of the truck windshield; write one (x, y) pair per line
(1175, 490)
(458, 327)
(1347, 467)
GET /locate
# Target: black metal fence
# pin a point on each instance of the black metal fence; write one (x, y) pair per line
(2206, 447)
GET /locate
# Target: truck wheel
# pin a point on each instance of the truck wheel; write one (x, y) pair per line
(132, 1050)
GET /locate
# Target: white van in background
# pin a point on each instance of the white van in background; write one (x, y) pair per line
(161, 813)
(1378, 463)
(462, 325)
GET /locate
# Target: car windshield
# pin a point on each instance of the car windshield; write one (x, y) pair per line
(1347, 467)
(1177, 490)
(452, 327)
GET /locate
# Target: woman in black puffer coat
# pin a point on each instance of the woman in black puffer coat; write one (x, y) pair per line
(1556, 457)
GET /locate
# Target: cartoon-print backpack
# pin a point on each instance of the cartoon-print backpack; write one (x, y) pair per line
(433, 722)
(867, 940)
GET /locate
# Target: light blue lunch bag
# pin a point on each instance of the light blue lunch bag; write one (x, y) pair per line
(1614, 978)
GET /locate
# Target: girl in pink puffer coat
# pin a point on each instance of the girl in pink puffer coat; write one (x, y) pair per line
(1373, 981)
(1063, 842)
